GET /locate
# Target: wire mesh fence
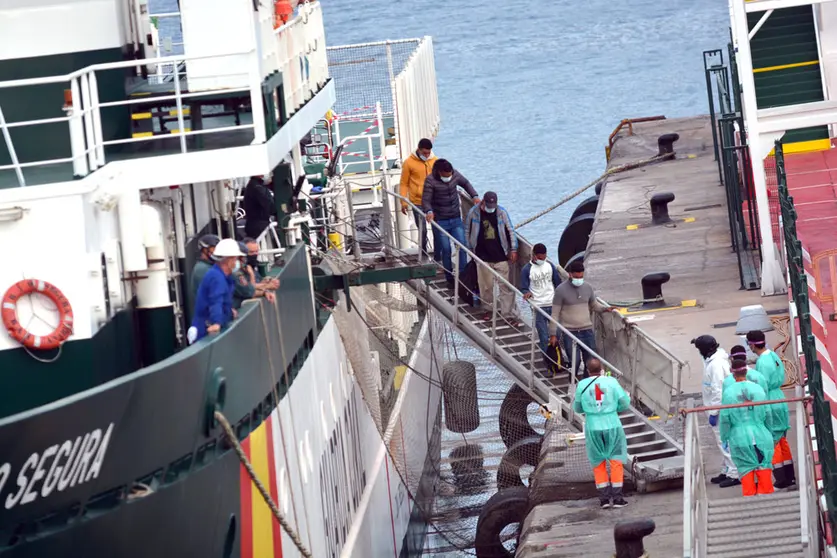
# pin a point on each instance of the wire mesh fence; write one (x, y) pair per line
(364, 74)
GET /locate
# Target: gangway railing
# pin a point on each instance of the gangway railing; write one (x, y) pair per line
(513, 347)
(699, 509)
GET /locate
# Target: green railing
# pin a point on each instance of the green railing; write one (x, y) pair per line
(799, 288)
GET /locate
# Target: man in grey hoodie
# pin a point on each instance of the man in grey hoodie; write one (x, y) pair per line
(572, 307)
(440, 201)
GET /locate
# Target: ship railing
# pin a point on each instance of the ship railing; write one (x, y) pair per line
(297, 51)
(401, 76)
(84, 108)
(695, 496)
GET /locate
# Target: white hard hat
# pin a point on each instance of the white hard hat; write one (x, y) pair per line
(227, 248)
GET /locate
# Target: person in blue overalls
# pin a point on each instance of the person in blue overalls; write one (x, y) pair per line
(214, 306)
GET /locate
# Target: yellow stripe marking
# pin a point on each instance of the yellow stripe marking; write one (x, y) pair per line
(142, 135)
(174, 112)
(141, 116)
(177, 131)
(785, 66)
(400, 371)
(809, 146)
(684, 304)
(689, 220)
(632, 227)
(640, 225)
(140, 94)
(262, 517)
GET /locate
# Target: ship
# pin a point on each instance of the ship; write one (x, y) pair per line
(128, 134)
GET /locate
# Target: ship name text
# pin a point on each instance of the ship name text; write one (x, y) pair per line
(58, 467)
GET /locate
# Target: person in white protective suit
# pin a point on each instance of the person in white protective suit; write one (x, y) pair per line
(715, 369)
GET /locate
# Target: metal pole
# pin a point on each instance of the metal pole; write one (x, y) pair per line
(455, 253)
(496, 293)
(96, 114)
(88, 121)
(355, 244)
(179, 103)
(11, 148)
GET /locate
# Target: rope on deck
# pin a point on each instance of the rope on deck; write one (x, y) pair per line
(613, 170)
(231, 438)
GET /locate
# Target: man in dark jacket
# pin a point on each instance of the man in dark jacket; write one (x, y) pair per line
(440, 201)
(258, 206)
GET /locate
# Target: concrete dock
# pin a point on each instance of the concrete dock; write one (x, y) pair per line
(695, 249)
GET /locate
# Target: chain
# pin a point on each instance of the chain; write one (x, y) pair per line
(614, 170)
(230, 435)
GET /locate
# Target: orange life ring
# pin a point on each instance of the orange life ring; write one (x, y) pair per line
(19, 333)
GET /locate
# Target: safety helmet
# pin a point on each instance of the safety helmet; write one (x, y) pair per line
(704, 343)
(208, 241)
(226, 248)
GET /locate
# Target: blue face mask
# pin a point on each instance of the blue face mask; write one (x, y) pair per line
(577, 282)
(446, 179)
(539, 262)
(422, 157)
(237, 265)
(490, 209)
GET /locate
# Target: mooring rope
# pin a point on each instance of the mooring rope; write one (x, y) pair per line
(231, 438)
(614, 170)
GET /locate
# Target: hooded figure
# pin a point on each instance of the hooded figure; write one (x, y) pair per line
(744, 430)
(715, 370)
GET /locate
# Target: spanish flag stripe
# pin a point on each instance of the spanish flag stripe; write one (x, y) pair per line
(245, 486)
(262, 517)
(274, 489)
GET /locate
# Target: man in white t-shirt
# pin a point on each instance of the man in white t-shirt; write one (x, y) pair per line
(538, 280)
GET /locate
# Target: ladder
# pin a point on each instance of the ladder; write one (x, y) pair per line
(653, 454)
(760, 526)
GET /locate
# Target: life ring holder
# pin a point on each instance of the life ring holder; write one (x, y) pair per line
(8, 312)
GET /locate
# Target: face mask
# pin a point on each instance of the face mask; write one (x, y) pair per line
(253, 261)
(490, 209)
(237, 265)
(540, 262)
(577, 282)
(422, 157)
(446, 179)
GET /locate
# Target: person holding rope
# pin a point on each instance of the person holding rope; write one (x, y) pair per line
(744, 430)
(778, 415)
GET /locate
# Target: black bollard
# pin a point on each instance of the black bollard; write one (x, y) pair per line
(652, 287)
(665, 143)
(659, 208)
(628, 537)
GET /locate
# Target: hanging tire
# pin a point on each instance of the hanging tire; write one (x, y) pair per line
(459, 386)
(467, 464)
(525, 452)
(514, 417)
(505, 508)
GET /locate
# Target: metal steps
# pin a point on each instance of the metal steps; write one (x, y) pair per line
(655, 456)
(758, 526)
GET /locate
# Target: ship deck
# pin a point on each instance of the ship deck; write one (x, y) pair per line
(703, 268)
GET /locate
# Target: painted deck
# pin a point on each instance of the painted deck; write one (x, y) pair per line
(697, 255)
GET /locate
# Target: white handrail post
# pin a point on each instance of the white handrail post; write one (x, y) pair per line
(455, 253)
(98, 136)
(178, 99)
(90, 141)
(11, 148)
(77, 131)
(495, 291)
(801, 452)
(688, 465)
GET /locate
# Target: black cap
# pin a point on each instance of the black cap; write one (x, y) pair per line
(490, 199)
(208, 241)
(705, 343)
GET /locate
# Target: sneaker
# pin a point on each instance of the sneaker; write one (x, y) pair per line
(604, 503)
(619, 502)
(719, 479)
(729, 482)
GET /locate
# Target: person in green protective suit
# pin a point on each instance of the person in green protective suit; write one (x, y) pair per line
(744, 429)
(778, 420)
(739, 352)
(600, 399)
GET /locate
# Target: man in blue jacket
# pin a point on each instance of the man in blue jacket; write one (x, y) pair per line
(214, 307)
(538, 281)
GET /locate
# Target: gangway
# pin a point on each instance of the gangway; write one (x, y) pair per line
(780, 524)
(653, 454)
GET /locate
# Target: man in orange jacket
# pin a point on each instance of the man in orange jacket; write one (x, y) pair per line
(415, 169)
